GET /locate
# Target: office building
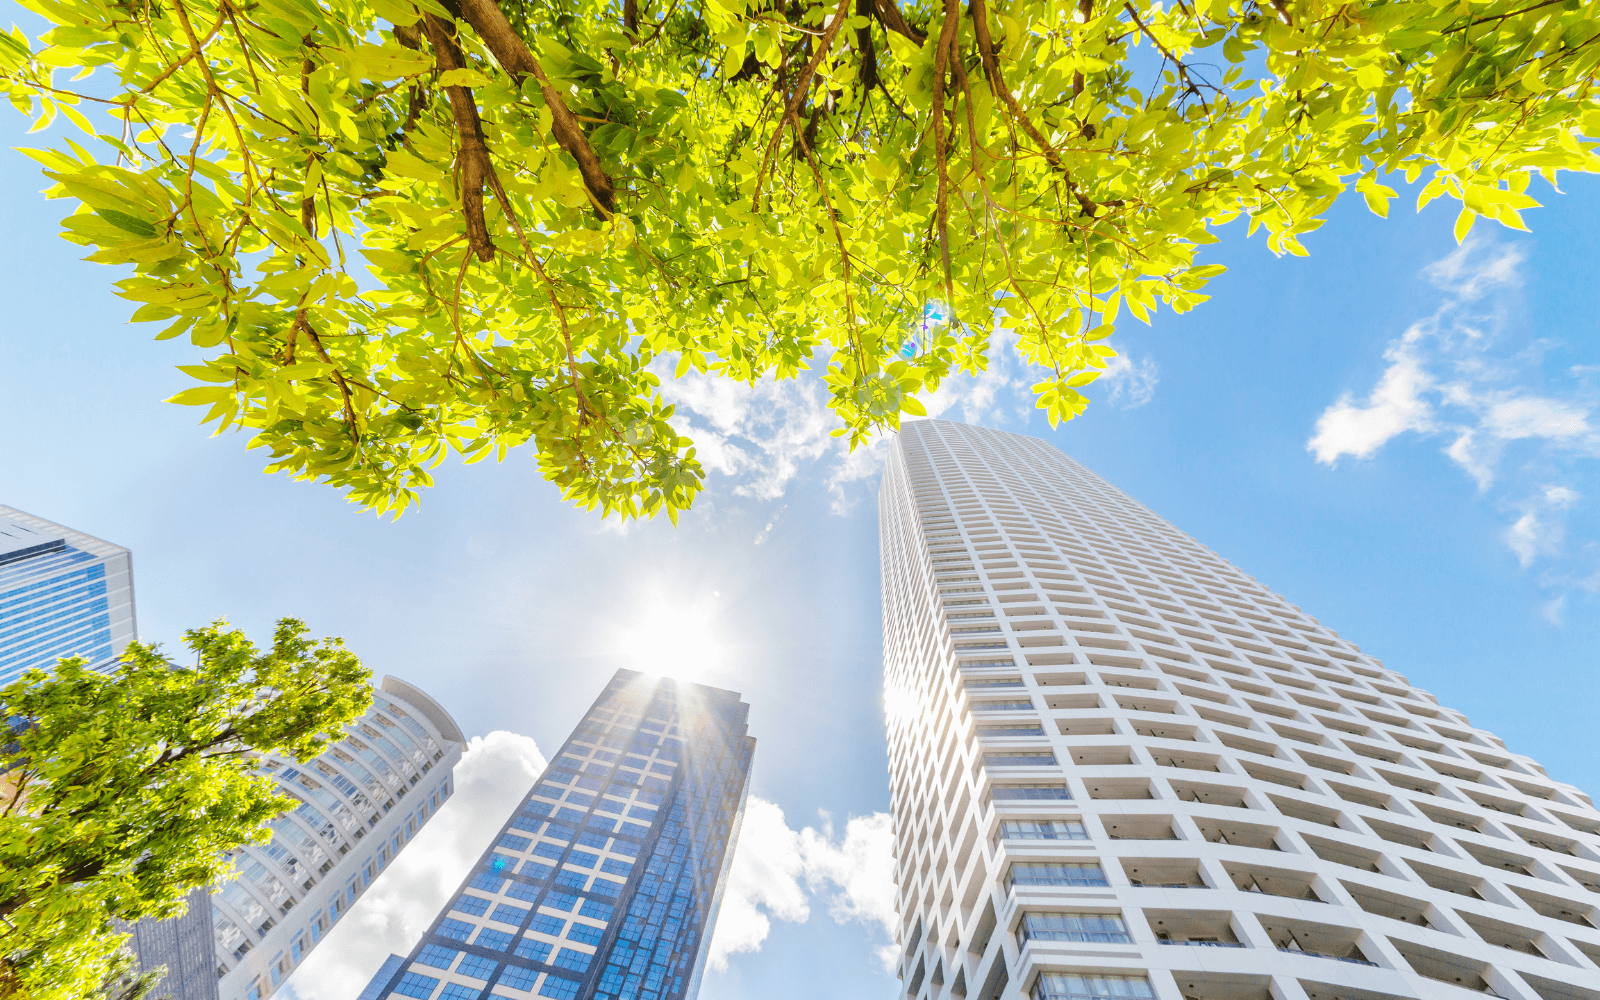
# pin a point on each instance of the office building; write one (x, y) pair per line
(380, 979)
(605, 882)
(1123, 768)
(62, 593)
(361, 803)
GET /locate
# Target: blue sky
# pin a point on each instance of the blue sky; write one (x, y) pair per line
(1397, 434)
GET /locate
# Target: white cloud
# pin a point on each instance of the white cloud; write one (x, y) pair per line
(1132, 383)
(764, 879)
(494, 774)
(858, 872)
(1393, 407)
(1471, 374)
(1532, 416)
(764, 436)
(777, 871)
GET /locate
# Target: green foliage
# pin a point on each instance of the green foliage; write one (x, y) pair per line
(557, 203)
(123, 792)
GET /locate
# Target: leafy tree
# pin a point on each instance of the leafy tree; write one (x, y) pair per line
(560, 202)
(124, 791)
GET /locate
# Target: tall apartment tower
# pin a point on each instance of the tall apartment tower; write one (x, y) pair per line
(605, 882)
(62, 593)
(1122, 768)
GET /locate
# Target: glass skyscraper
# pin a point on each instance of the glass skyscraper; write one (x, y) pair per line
(62, 593)
(605, 882)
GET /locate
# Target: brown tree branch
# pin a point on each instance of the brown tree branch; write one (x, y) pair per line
(801, 87)
(997, 83)
(890, 17)
(941, 61)
(513, 54)
(474, 156)
(864, 44)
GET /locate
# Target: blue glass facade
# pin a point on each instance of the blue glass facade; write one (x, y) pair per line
(62, 593)
(605, 883)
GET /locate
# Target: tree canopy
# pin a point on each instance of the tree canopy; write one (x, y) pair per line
(405, 228)
(124, 791)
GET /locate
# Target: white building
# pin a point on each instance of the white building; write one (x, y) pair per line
(1122, 768)
(362, 801)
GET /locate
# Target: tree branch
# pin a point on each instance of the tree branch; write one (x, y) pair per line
(801, 87)
(489, 21)
(474, 157)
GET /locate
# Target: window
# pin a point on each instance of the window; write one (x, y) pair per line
(584, 934)
(606, 887)
(1018, 792)
(1016, 729)
(561, 901)
(596, 910)
(516, 977)
(1043, 829)
(456, 930)
(1102, 928)
(1067, 986)
(595, 840)
(469, 903)
(548, 925)
(437, 957)
(577, 961)
(487, 882)
(1069, 873)
(512, 842)
(534, 870)
(559, 988)
(1019, 759)
(522, 891)
(507, 914)
(572, 880)
(412, 984)
(551, 851)
(583, 859)
(611, 866)
(477, 966)
(458, 991)
(488, 937)
(536, 950)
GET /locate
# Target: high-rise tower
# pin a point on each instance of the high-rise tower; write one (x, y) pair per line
(361, 802)
(62, 593)
(1122, 768)
(605, 883)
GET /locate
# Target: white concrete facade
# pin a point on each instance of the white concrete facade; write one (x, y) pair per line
(1121, 767)
(362, 801)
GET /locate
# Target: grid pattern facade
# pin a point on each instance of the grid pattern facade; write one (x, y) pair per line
(1122, 768)
(605, 882)
(62, 593)
(361, 802)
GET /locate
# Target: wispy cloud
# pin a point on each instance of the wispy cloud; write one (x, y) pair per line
(762, 438)
(779, 871)
(494, 774)
(1470, 375)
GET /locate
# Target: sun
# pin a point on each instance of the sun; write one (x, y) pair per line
(672, 637)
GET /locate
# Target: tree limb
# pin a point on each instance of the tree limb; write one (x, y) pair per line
(801, 87)
(890, 17)
(997, 83)
(513, 54)
(474, 157)
(943, 54)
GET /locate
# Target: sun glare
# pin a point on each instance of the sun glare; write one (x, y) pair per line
(672, 638)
